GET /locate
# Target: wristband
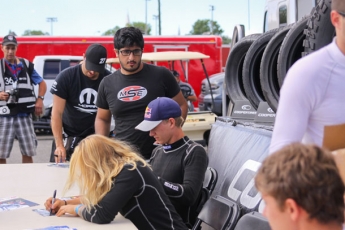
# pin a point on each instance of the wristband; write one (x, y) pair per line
(77, 209)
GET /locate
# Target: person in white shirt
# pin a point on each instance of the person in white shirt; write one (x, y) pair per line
(312, 96)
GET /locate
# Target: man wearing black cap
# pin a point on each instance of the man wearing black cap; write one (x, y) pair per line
(18, 101)
(74, 101)
(179, 163)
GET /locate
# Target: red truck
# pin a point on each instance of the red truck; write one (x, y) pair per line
(211, 45)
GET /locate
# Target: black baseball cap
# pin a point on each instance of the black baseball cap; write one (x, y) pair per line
(95, 58)
(9, 40)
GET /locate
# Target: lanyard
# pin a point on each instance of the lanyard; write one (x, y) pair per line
(15, 70)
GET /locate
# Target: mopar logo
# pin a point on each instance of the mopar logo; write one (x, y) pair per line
(246, 107)
(270, 110)
(88, 96)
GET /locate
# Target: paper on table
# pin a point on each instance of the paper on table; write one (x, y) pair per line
(59, 165)
(55, 228)
(12, 203)
(43, 212)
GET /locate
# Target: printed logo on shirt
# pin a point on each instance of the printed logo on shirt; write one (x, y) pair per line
(54, 86)
(87, 101)
(131, 93)
(173, 187)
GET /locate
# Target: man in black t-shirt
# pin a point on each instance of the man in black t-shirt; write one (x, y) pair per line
(74, 101)
(126, 93)
(179, 163)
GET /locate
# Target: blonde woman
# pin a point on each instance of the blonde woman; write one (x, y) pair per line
(112, 178)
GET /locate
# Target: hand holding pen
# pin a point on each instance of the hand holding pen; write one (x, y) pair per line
(53, 201)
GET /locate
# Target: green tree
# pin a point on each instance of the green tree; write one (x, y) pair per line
(111, 31)
(141, 26)
(204, 27)
(34, 32)
(226, 40)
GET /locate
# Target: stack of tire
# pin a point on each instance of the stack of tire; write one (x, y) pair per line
(258, 63)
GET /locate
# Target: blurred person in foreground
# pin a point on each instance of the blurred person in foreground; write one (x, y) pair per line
(126, 93)
(74, 102)
(302, 189)
(18, 102)
(113, 178)
(179, 163)
(187, 91)
(312, 95)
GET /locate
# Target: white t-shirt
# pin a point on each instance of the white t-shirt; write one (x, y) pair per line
(312, 97)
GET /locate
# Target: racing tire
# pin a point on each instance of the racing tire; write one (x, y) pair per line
(291, 48)
(251, 68)
(268, 68)
(233, 69)
(320, 31)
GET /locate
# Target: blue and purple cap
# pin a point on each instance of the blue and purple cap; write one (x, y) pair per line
(158, 110)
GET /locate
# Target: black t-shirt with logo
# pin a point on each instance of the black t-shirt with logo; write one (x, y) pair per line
(127, 97)
(80, 93)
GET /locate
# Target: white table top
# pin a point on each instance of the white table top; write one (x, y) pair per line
(36, 182)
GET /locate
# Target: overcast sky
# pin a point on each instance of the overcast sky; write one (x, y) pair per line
(90, 17)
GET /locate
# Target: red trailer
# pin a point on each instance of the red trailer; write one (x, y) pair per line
(211, 45)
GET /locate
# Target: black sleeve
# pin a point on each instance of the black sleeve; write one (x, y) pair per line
(101, 96)
(62, 84)
(126, 184)
(170, 83)
(195, 166)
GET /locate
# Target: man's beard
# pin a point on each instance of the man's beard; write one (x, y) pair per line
(135, 67)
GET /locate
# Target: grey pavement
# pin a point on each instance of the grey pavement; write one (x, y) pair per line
(44, 143)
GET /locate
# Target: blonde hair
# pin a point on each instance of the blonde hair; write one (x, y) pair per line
(95, 163)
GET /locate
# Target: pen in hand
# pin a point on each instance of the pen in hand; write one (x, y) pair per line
(53, 201)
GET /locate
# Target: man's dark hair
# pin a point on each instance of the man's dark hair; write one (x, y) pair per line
(128, 36)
